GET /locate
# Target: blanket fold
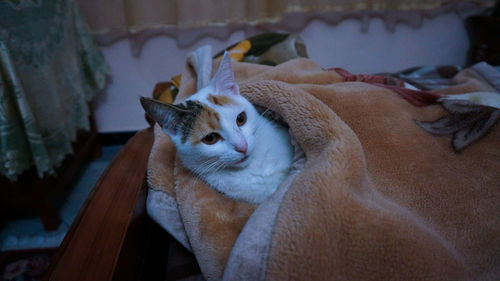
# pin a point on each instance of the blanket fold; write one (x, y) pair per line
(371, 195)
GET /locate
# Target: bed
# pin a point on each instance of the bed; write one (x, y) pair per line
(114, 238)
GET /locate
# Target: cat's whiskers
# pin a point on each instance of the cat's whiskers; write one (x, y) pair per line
(261, 120)
(205, 166)
(204, 169)
(219, 166)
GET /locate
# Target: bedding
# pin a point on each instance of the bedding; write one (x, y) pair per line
(371, 196)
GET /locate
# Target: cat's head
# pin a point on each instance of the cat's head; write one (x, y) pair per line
(214, 128)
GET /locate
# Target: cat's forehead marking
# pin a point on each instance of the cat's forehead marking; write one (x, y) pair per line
(220, 100)
(192, 110)
(211, 117)
(207, 121)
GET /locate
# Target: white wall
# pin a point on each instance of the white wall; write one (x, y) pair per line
(442, 40)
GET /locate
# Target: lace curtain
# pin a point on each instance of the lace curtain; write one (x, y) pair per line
(139, 20)
(50, 68)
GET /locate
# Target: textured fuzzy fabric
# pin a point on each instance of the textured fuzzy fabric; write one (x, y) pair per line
(372, 196)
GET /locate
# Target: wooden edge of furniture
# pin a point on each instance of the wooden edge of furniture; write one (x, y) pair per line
(106, 240)
(112, 237)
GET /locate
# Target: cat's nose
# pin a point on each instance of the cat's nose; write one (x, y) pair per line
(242, 148)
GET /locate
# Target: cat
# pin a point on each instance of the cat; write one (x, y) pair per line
(221, 138)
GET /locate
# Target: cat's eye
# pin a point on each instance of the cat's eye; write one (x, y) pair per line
(211, 138)
(241, 119)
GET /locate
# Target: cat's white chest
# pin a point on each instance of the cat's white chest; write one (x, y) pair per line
(269, 164)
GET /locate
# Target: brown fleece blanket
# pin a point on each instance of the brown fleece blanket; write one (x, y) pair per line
(371, 195)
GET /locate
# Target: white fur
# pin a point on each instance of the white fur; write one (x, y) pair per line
(269, 150)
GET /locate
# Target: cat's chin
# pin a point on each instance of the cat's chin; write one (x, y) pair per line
(242, 163)
(243, 160)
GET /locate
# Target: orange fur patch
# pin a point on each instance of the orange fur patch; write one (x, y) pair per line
(207, 121)
(220, 100)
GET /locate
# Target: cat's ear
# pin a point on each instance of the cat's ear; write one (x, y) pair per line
(223, 80)
(166, 115)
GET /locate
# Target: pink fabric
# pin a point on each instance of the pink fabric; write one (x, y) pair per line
(415, 97)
